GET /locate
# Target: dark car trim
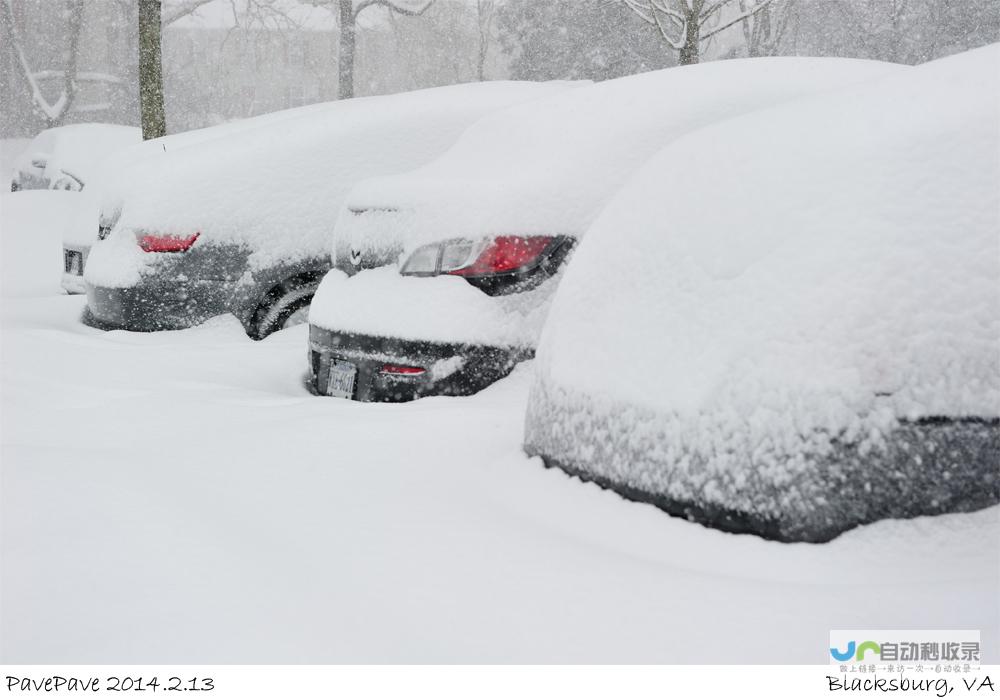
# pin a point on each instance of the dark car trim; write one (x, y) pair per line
(184, 289)
(169, 305)
(935, 465)
(480, 365)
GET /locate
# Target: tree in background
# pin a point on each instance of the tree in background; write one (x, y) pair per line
(687, 24)
(485, 10)
(348, 12)
(151, 19)
(151, 110)
(763, 30)
(52, 113)
(575, 40)
(449, 43)
(902, 31)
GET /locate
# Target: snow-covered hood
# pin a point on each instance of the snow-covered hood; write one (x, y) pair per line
(548, 167)
(276, 188)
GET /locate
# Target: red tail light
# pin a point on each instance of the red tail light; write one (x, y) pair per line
(152, 243)
(402, 369)
(503, 254)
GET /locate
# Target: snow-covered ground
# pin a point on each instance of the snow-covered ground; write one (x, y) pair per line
(179, 497)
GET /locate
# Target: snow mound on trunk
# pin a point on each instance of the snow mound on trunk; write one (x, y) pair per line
(789, 323)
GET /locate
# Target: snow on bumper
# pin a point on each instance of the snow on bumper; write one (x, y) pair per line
(443, 309)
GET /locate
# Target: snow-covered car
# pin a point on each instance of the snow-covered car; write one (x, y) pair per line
(788, 324)
(82, 231)
(68, 157)
(71, 158)
(483, 231)
(244, 224)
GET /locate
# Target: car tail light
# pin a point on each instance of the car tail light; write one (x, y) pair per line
(165, 243)
(503, 254)
(402, 369)
(476, 258)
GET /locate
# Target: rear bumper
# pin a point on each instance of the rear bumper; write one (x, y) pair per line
(450, 370)
(73, 283)
(154, 307)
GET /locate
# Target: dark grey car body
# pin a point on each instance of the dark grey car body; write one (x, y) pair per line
(184, 289)
(844, 486)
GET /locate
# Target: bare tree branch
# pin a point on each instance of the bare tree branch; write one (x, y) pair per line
(55, 112)
(182, 9)
(394, 6)
(743, 16)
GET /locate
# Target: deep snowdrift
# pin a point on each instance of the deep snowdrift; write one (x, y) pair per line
(276, 189)
(548, 167)
(762, 317)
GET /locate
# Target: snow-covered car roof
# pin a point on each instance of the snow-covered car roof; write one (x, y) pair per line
(76, 149)
(772, 289)
(112, 179)
(549, 166)
(277, 188)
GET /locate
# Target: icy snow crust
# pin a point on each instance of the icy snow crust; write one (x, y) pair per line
(783, 322)
(275, 189)
(548, 167)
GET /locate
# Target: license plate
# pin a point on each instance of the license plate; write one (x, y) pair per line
(73, 261)
(341, 382)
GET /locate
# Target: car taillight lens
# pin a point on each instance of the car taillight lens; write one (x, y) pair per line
(476, 258)
(503, 254)
(163, 243)
(402, 369)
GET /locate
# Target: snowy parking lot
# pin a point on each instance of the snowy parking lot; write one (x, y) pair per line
(181, 497)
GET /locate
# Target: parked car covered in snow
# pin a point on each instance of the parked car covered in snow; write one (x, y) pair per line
(243, 224)
(483, 232)
(71, 158)
(788, 324)
(83, 231)
(68, 157)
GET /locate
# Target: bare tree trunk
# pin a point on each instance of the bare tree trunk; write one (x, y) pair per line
(345, 60)
(484, 12)
(75, 9)
(154, 119)
(692, 35)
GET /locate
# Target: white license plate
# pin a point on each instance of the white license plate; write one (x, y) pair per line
(341, 382)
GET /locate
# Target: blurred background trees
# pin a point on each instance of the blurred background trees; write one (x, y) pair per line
(64, 61)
